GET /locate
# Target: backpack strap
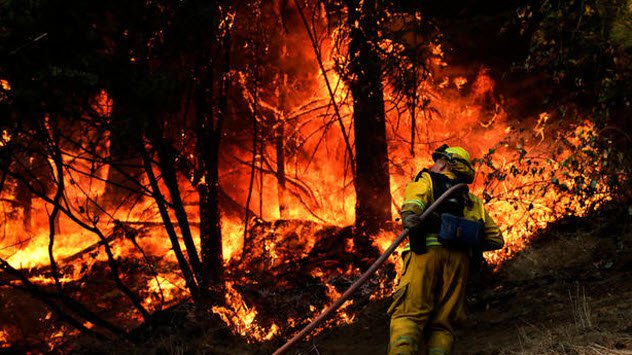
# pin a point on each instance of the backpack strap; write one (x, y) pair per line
(454, 205)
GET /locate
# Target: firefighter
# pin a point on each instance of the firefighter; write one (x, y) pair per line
(429, 300)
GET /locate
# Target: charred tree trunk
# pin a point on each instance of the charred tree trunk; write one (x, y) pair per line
(125, 165)
(279, 135)
(280, 142)
(373, 199)
(280, 168)
(127, 113)
(167, 163)
(25, 200)
(211, 103)
(187, 273)
(35, 165)
(210, 227)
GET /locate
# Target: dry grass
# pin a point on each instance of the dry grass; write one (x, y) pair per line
(172, 346)
(601, 350)
(579, 336)
(567, 339)
(580, 309)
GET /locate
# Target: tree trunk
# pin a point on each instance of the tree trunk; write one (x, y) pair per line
(126, 167)
(161, 203)
(25, 200)
(373, 198)
(36, 166)
(210, 227)
(211, 103)
(167, 162)
(280, 148)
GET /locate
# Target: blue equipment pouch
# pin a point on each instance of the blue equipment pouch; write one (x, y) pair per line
(458, 232)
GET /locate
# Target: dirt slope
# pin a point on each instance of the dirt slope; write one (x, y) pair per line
(569, 293)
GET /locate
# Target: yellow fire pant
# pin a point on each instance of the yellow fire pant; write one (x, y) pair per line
(429, 301)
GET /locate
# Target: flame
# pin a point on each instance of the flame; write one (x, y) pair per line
(459, 82)
(232, 239)
(5, 85)
(4, 138)
(4, 339)
(242, 317)
(58, 337)
(520, 207)
(540, 126)
(103, 105)
(341, 315)
(460, 111)
(163, 288)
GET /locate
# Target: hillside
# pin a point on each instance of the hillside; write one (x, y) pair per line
(568, 293)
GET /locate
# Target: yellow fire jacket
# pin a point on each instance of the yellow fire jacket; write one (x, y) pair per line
(418, 195)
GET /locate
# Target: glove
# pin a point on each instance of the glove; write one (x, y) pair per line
(410, 220)
(417, 238)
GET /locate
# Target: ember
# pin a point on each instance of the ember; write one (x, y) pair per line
(4, 339)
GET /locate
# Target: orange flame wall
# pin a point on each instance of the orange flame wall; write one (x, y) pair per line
(470, 114)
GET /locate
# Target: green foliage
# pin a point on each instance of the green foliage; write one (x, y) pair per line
(584, 46)
(621, 32)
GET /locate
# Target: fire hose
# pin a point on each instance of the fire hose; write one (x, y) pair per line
(323, 316)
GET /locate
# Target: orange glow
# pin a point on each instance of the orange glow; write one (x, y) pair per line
(4, 339)
(58, 336)
(459, 82)
(103, 104)
(242, 317)
(232, 238)
(4, 138)
(5, 85)
(320, 193)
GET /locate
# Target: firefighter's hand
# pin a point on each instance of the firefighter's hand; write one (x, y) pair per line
(410, 220)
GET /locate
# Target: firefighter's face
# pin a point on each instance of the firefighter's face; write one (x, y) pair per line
(439, 166)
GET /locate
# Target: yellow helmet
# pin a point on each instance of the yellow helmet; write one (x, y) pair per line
(459, 159)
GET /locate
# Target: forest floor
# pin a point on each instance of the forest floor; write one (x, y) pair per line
(569, 292)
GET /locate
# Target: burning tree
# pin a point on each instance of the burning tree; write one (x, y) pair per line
(373, 204)
(113, 109)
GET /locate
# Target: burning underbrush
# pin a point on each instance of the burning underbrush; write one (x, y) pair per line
(281, 273)
(120, 268)
(289, 281)
(274, 288)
